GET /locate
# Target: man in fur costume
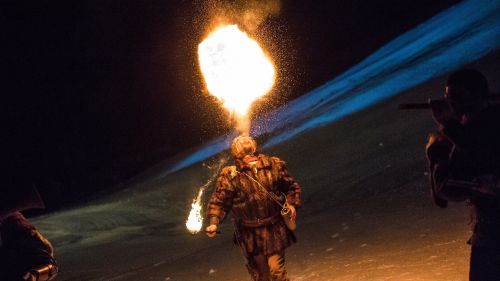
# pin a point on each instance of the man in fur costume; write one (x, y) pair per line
(256, 190)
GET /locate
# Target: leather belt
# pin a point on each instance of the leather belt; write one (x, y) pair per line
(260, 222)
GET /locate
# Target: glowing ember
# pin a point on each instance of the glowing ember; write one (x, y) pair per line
(235, 68)
(195, 220)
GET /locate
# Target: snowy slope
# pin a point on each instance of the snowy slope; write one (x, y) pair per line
(367, 214)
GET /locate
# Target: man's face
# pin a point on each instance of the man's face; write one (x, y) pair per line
(461, 100)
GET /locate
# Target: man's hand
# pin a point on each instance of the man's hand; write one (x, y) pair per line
(211, 230)
(45, 272)
(441, 111)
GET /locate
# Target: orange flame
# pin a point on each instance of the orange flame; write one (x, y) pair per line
(235, 68)
(195, 220)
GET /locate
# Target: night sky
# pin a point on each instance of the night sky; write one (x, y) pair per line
(98, 91)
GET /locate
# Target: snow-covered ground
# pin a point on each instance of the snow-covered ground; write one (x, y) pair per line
(367, 214)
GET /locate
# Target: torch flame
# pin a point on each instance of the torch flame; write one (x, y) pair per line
(235, 68)
(195, 220)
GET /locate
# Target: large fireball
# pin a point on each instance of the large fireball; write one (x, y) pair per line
(235, 68)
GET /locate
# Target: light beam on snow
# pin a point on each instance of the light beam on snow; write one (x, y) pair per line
(457, 36)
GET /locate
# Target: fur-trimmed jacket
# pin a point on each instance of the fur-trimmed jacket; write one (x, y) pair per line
(259, 227)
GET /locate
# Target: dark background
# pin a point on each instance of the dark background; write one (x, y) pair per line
(97, 91)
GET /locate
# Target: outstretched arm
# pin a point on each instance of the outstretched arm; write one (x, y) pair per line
(220, 202)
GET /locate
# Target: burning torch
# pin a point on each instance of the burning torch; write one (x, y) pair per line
(195, 219)
(237, 72)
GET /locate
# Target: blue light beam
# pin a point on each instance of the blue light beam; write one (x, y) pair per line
(459, 35)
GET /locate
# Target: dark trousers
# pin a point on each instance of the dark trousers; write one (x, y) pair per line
(267, 268)
(484, 264)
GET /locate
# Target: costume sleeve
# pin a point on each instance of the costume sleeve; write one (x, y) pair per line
(444, 176)
(32, 250)
(437, 150)
(457, 133)
(446, 166)
(221, 201)
(287, 184)
(441, 188)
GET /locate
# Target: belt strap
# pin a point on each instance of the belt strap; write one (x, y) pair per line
(260, 222)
